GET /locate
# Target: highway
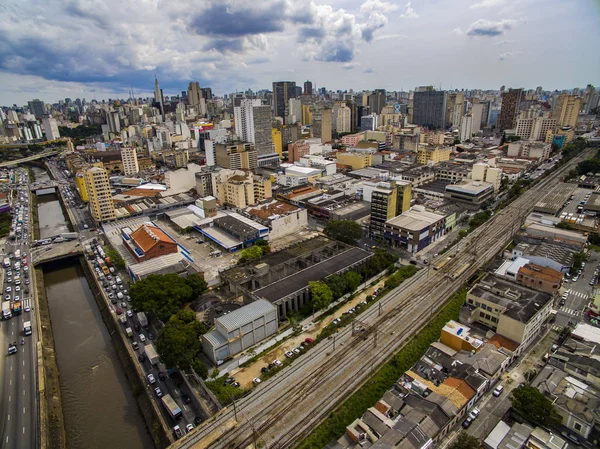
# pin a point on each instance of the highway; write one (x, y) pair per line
(285, 408)
(19, 427)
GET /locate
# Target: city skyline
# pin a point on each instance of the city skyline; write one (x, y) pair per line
(367, 44)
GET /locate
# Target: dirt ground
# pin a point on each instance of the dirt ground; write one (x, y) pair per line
(245, 375)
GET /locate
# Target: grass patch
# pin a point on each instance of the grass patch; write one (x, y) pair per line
(225, 393)
(386, 376)
(5, 222)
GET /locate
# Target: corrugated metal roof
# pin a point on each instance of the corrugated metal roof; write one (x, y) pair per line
(244, 315)
(215, 339)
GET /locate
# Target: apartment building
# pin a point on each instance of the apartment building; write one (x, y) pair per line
(130, 161)
(99, 194)
(427, 154)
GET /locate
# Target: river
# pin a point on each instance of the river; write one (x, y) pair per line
(51, 219)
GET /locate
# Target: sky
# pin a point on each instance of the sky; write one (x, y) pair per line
(100, 49)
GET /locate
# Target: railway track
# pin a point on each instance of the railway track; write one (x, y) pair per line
(283, 409)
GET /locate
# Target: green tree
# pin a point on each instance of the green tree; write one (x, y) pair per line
(197, 284)
(346, 231)
(564, 225)
(252, 253)
(337, 285)
(465, 441)
(321, 294)
(479, 218)
(462, 233)
(353, 280)
(264, 245)
(163, 294)
(200, 368)
(578, 259)
(116, 258)
(534, 406)
(178, 343)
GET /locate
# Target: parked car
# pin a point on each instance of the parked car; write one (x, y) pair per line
(498, 390)
(189, 427)
(256, 381)
(289, 354)
(151, 378)
(467, 423)
(135, 345)
(474, 413)
(158, 392)
(570, 437)
(142, 338)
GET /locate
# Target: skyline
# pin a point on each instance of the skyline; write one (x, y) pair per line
(369, 44)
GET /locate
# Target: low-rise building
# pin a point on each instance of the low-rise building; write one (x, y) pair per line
(541, 278)
(414, 229)
(431, 155)
(281, 218)
(147, 242)
(471, 194)
(355, 160)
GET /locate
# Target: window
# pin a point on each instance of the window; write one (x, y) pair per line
(577, 426)
(494, 319)
(482, 315)
(487, 316)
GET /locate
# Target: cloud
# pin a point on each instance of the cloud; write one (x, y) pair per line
(377, 6)
(487, 3)
(369, 70)
(409, 13)
(509, 54)
(487, 28)
(375, 22)
(382, 37)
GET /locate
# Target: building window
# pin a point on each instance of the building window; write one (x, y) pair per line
(487, 316)
(494, 319)
(482, 315)
(577, 427)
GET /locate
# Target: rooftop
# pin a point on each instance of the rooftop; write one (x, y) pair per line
(415, 219)
(273, 210)
(545, 273)
(471, 187)
(246, 314)
(147, 236)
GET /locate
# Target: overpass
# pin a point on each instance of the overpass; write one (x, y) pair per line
(31, 158)
(56, 251)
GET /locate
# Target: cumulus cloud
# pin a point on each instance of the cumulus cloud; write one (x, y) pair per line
(377, 6)
(487, 3)
(488, 28)
(374, 23)
(409, 12)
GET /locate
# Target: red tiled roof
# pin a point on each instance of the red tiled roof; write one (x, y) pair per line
(144, 237)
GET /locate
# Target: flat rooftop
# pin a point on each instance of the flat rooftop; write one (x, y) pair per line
(298, 281)
(553, 201)
(415, 220)
(520, 303)
(471, 188)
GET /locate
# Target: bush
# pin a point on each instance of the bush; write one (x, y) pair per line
(384, 378)
(400, 276)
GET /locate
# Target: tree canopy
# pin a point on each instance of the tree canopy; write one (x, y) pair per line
(178, 343)
(165, 294)
(465, 441)
(259, 249)
(353, 280)
(346, 231)
(534, 406)
(116, 258)
(321, 294)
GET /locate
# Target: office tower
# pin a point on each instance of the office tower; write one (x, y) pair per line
(158, 98)
(282, 92)
(455, 109)
(298, 91)
(295, 111)
(477, 113)
(342, 118)
(388, 200)
(376, 101)
(566, 110)
(322, 125)
(235, 156)
(99, 194)
(130, 161)
(50, 128)
(207, 93)
(37, 108)
(369, 122)
(429, 107)
(308, 88)
(485, 113)
(253, 124)
(509, 109)
(194, 94)
(114, 121)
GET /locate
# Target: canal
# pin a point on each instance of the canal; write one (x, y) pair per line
(98, 404)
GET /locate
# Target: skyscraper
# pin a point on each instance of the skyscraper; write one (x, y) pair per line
(566, 110)
(130, 161)
(455, 109)
(429, 107)
(158, 97)
(253, 124)
(321, 126)
(377, 101)
(282, 92)
(194, 94)
(37, 108)
(509, 109)
(308, 88)
(50, 128)
(99, 194)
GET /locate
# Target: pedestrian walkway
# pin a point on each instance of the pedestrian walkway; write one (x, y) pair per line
(577, 294)
(570, 311)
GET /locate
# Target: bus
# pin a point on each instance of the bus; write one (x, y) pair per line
(442, 263)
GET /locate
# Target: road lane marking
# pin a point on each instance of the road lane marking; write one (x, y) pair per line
(23, 410)
(23, 392)
(23, 430)
(9, 417)
(23, 376)
(23, 362)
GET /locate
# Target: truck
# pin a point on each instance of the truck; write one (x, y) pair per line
(141, 316)
(123, 319)
(129, 332)
(6, 312)
(6, 262)
(69, 235)
(99, 261)
(16, 308)
(151, 354)
(27, 327)
(171, 406)
(58, 240)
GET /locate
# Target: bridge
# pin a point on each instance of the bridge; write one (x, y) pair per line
(39, 188)
(56, 251)
(31, 158)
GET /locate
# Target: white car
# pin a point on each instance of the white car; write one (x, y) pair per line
(27, 309)
(151, 378)
(474, 413)
(256, 381)
(142, 338)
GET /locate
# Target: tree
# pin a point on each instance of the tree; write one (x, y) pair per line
(116, 258)
(197, 284)
(321, 294)
(178, 343)
(462, 233)
(578, 259)
(200, 368)
(465, 441)
(264, 245)
(353, 280)
(163, 294)
(564, 225)
(252, 253)
(337, 285)
(534, 406)
(346, 231)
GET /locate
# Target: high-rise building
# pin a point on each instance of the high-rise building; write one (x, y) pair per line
(377, 100)
(253, 124)
(130, 161)
(567, 109)
(295, 111)
(99, 194)
(510, 109)
(182, 158)
(158, 98)
(322, 125)
(369, 122)
(455, 109)
(429, 108)
(37, 108)
(477, 113)
(342, 116)
(466, 127)
(308, 88)
(388, 200)
(485, 113)
(50, 128)
(236, 156)
(194, 94)
(114, 121)
(282, 92)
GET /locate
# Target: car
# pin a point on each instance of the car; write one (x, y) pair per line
(197, 420)
(474, 413)
(142, 357)
(150, 336)
(111, 296)
(135, 345)
(130, 314)
(289, 354)
(119, 295)
(176, 429)
(582, 264)
(229, 380)
(570, 437)
(310, 340)
(189, 427)
(186, 399)
(9, 280)
(27, 308)
(12, 349)
(151, 378)
(256, 381)
(235, 384)
(271, 365)
(7, 298)
(17, 298)
(114, 287)
(592, 282)
(17, 288)
(124, 305)
(8, 289)
(142, 338)
(277, 363)
(161, 376)
(137, 327)
(120, 312)
(467, 423)
(158, 392)
(576, 278)
(264, 369)
(498, 390)
(296, 351)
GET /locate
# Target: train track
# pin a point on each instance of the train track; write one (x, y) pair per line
(283, 410)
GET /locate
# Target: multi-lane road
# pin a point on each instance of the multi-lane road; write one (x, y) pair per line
(286, 407)
(18, 372)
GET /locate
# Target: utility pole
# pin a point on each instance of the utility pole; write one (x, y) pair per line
(375, 339)
(379, 302)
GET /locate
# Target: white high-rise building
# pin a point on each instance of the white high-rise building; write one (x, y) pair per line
(343, 117)
(477, 114)
(466, 127)
(50, 128)
(253, 125)
(295, 109)
(130, 161)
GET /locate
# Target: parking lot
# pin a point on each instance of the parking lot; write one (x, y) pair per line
(579, 195)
